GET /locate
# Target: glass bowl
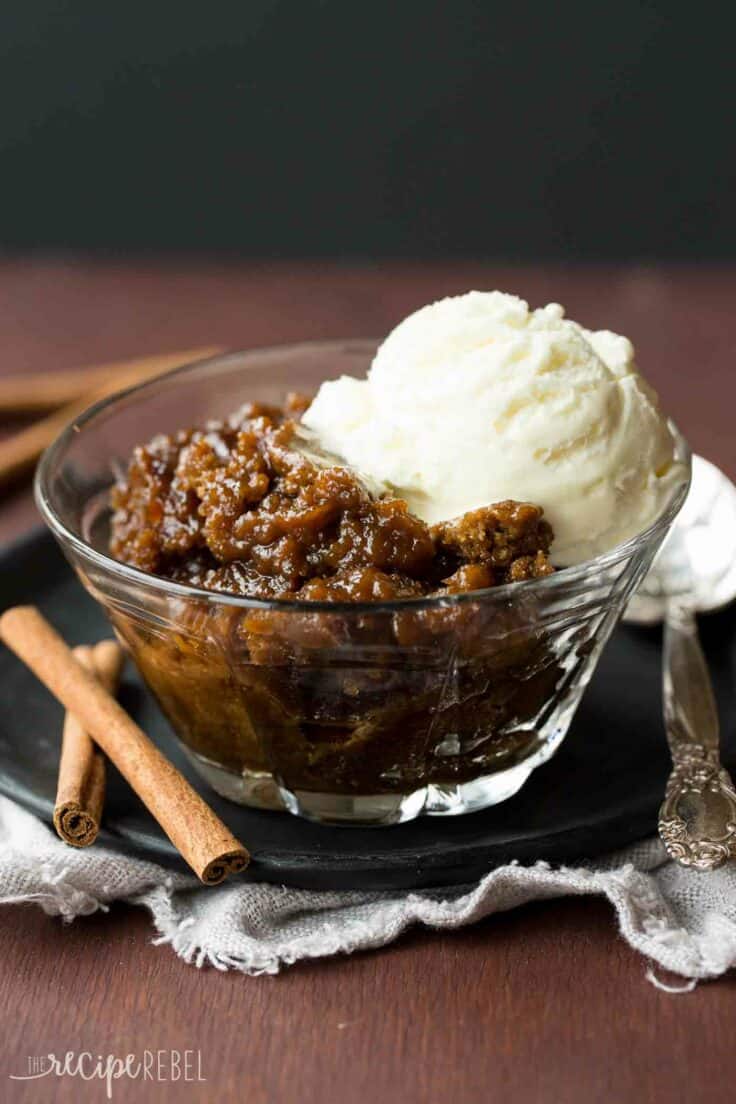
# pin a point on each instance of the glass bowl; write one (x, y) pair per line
(345, 713)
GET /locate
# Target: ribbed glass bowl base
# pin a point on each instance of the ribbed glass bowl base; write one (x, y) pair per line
(260, 790)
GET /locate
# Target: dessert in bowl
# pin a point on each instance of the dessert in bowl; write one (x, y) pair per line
(384, 595)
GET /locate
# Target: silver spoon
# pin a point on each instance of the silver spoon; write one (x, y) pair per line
(694, 573)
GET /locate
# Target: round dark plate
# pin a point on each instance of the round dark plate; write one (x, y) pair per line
(600, 792)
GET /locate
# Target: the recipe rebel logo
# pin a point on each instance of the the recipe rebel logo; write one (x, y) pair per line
(150, 1065)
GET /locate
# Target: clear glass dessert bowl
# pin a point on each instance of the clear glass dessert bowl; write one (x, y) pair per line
(342, 712)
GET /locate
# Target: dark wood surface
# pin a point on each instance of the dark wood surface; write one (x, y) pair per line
(544, 1005)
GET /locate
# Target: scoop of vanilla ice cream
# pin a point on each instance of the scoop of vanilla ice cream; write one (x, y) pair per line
(475, 399)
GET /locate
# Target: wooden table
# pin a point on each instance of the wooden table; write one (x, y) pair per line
(545, 1005)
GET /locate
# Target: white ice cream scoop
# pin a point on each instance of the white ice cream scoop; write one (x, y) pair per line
(476, 399)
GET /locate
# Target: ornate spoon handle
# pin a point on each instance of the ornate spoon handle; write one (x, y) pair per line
(697, 820)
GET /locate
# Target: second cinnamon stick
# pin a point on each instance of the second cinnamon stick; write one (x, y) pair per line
(80, 793)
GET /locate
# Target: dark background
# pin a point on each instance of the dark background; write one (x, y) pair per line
(332, 127)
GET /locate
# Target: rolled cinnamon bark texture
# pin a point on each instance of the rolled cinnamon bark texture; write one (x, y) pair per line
(194, 829)
(19, 453)
(80, 793)
(39, 392)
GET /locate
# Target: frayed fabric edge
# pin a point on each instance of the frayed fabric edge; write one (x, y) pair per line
(644, 919)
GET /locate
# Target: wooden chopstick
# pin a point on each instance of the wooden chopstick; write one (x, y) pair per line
(19, 453)
(39, 392)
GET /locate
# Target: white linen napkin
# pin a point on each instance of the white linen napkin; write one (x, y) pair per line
(682, 920)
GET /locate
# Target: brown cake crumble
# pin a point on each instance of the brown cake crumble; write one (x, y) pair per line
(328, 701)
(236, 507)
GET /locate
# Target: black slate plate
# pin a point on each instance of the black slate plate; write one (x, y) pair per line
(600, 792)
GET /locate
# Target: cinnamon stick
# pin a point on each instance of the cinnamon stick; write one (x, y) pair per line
(80, 793)
(40, 392)
(19, 453)
(194, 829)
